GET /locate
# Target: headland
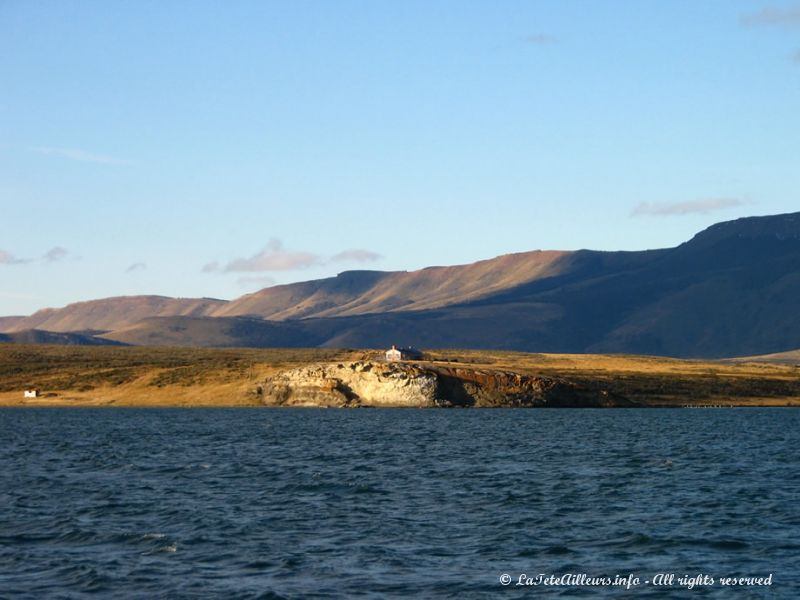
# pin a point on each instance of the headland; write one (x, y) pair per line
(142, 376)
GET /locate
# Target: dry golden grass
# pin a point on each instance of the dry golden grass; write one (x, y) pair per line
(653, 380)
(138, 376)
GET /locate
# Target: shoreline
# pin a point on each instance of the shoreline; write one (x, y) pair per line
(371, 408)
(187, 399)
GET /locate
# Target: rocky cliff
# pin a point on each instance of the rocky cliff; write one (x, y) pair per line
(367, 383)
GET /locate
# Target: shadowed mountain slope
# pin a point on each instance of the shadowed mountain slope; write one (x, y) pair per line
(219, 332)
(34, 336)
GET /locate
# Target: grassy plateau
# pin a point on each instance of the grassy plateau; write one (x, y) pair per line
(142, 376)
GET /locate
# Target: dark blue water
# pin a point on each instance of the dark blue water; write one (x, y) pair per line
(241, 503)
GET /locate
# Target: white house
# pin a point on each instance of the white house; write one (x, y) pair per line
(394, 354)
(32, 393)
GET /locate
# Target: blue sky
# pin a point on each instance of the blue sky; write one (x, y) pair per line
(212, 148)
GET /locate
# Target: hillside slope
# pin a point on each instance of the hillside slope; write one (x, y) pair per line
(35, 336)
(732, 290)
(363, 292)
(8, 322)
(218, 332)
(349, 293)
(112, 313)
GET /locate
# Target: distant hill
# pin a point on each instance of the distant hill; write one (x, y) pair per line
(217, 332)
(791, 357)
(35, 336)
(8, 322)
(111, 313)
(732, 290)
(349, 293)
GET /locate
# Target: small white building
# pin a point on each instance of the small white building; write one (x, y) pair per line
(32, 393)
(394, 354)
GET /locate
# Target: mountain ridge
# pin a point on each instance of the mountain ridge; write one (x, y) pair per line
(732, 289)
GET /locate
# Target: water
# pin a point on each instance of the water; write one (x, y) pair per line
(260, 503)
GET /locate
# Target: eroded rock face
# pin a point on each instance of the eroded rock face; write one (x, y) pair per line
(353, 384)
(414, 385)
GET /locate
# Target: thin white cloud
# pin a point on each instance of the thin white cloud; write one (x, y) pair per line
(356, 255)
(788, 17)
(273, 258)
(6, 258)
(276, 258)
(540, 39)
(795, 57)
(137, 266)
(55, 254)
(669, 209)
(82, 155)
(255, 282)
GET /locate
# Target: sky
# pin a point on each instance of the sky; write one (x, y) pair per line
(210, 149)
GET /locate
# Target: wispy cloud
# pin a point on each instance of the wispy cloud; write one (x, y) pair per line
(277, 258)
(668, 209)
(55, 254)
(788, 17)
(795, 57)
(82, 155)
(255, 282)
(273, 258)
(539, 39)
(137, 266)
(358, 255)
(6, 258)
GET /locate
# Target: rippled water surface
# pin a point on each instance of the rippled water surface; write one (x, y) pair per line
(394, 503)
